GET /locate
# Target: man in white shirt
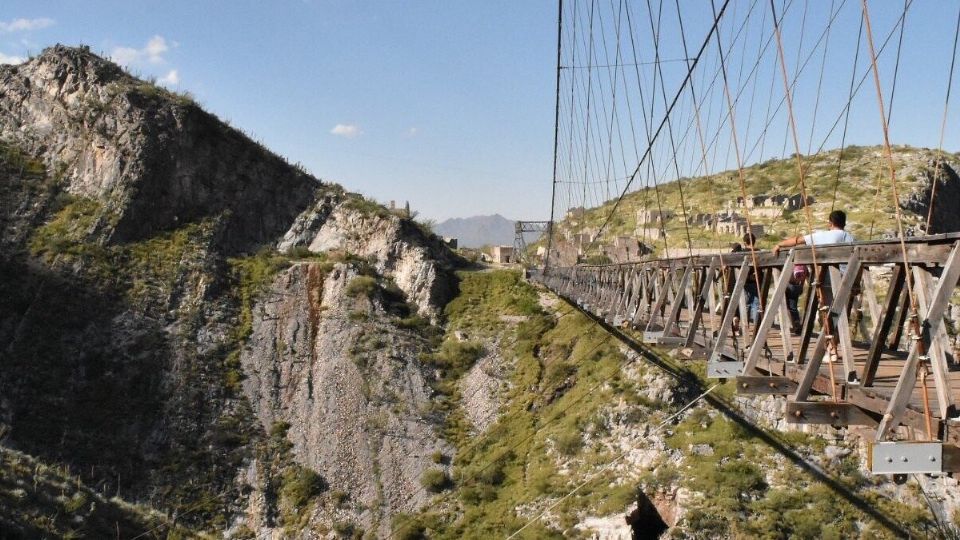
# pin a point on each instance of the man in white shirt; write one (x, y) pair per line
(834, 235)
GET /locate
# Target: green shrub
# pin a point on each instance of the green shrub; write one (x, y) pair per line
(457, 356)
(78, 501)
(495, 473)
(361, 286)
(366, 207)
(435, 480)
(568, 443)
(279, 429)
(65, 233)
(344, 529)
(300, 484)
(408, 528)
(413, 322)
(437, 456)
(339, 498)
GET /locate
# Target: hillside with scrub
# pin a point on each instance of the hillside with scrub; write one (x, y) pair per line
(560, 431)
(856, 180)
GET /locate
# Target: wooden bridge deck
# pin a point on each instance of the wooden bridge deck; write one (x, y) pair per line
(878, 395)
(870, 293)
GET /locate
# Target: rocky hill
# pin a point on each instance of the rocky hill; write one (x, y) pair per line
(190, 322)
(857, 182)
(478, 231)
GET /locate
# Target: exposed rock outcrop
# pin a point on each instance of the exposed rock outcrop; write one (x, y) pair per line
(940, 185)
(129, 288)
(349, 383)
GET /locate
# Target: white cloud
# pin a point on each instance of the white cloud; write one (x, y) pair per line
(25, 25)
(7, 59)
(349, 131)
(412, 132)
(152, 52)
(155, 49)
(124, 55)
(171, 78)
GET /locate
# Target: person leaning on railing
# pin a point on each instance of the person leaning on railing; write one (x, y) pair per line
(835, 234)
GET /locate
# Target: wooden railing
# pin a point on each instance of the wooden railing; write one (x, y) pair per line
(887, 358)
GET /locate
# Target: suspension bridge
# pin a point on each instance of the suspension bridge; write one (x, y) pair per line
(653, 94)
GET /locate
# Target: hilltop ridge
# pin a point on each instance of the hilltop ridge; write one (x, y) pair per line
(859, 183)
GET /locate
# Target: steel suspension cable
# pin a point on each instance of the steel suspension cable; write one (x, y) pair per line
(686, 80)
(740, 172)
(846, 120)
(914, 315)
(823, 63)
(556, 138)
(943, 127)
(673, 147)
(648, 126)
(818, 278)
(893, 92)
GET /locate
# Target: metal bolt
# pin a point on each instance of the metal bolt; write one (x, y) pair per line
(889, 460)
(798, 413)
(904, 459)
(744, 385)
(933, 458)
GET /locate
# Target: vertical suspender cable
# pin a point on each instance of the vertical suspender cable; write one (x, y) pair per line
(914, 316)
(663, 122)
(846, 119)
(943, 128)
(817, 272)
(740, 173)
(556, 138)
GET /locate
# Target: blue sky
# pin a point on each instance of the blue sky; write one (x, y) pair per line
(447, 104)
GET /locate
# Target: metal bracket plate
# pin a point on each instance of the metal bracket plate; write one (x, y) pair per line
(651, 337)
(906, 457)
(673, 340)
(723, 370)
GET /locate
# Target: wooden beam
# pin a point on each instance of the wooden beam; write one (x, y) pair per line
(951, 458)
(786, 323)
(660, 289)
(701, 302)
(838, 313)
(728, 314)
(762, 385)
(826, 412)
(933, 321)
(678, 301)
(939, 345)
(886, 321)
(779, 295)
(809, 322)
(870, 296)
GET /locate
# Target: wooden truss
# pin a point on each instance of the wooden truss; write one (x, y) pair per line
(887, 360)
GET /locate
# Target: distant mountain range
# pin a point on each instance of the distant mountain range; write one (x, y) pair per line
(478, 231)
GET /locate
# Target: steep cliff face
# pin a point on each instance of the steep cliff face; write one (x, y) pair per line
(177, 318)
(328, 357)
